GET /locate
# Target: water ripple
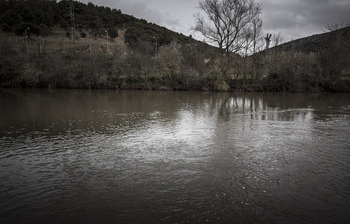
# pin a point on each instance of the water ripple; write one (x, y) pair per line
(216, 158)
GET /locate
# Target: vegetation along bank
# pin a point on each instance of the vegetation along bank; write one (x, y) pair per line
(42, 47)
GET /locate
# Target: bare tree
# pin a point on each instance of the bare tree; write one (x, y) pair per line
(277, 39)
(252, 37)
(226, 21)
(257, 31)
(247, 40)
(336, 25)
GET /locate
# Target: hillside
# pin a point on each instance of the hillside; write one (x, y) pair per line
(318, 42)
(49, 44)
(335, 44)
(79, 20)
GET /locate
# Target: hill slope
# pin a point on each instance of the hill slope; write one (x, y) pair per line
(334, 45)
(318, 42)
(44, 17)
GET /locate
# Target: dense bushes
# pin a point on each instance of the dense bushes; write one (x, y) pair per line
(171, 70)
(171, 67)
(324, 70)
(124, 69)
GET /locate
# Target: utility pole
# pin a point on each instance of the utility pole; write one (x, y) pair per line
(72, 18)
(156, 45)
(107, 39)
(26, 33)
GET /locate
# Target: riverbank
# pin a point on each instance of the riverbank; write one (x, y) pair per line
(175, 67)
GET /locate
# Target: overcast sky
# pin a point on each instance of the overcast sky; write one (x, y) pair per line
(292, 18)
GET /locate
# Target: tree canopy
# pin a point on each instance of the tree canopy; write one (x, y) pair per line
(229, 23)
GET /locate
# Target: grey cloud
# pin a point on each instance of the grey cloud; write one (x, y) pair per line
(303, 17)
(331, 13)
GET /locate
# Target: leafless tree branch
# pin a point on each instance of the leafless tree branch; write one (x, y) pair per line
(337, 25)
(227, 22)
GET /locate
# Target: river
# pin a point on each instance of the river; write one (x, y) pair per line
(102, 156)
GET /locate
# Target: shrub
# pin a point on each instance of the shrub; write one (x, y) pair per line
(169, 61)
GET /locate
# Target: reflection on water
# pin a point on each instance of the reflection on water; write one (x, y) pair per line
(173, 157)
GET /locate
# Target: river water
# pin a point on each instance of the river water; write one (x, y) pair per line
(89, 156)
